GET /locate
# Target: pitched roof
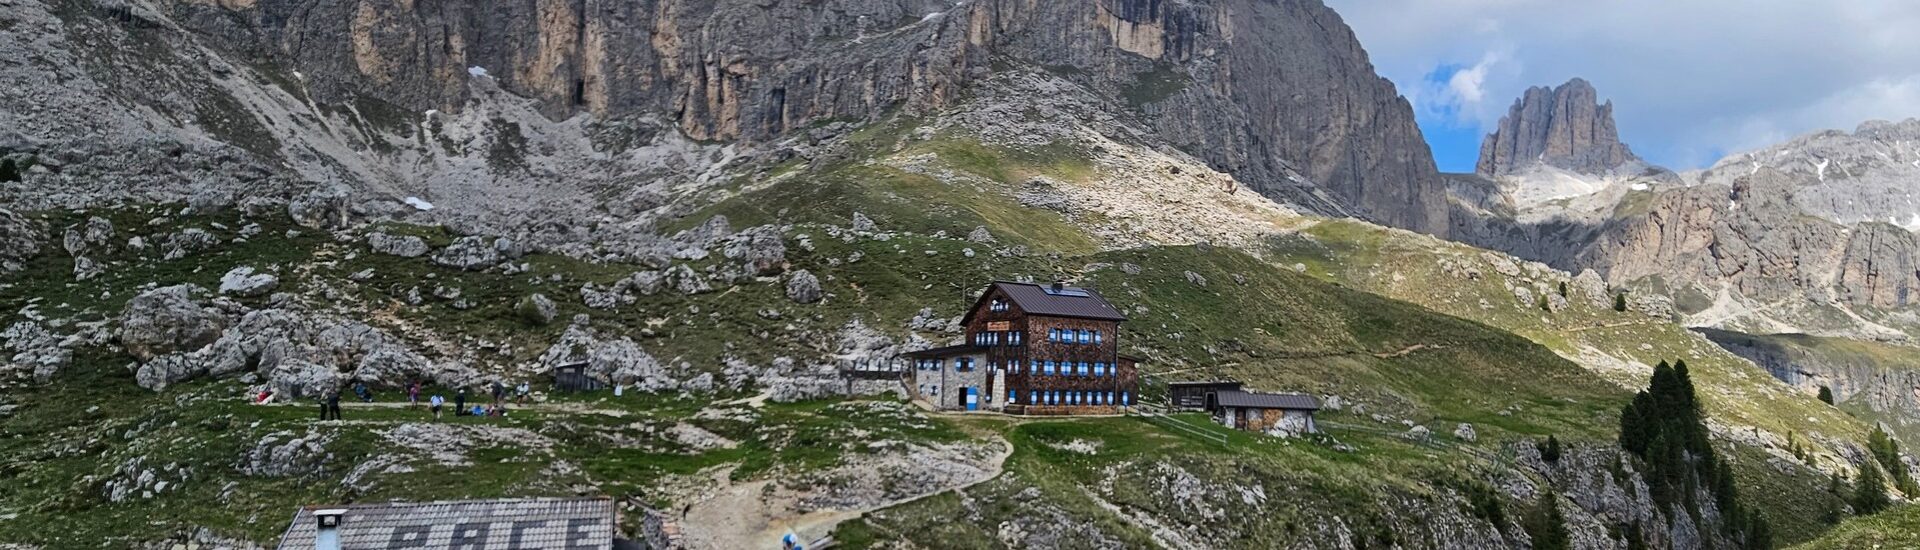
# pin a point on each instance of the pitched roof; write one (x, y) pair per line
(1258, 400)
(582, 523)
(1048, 301)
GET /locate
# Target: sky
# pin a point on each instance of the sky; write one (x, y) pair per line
(1691, 80)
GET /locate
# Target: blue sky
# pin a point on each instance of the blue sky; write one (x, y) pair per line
(1690, 81)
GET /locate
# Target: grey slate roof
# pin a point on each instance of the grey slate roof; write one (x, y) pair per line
(1078, 302)
(1257, 400)
(948, 351)
(556, 523)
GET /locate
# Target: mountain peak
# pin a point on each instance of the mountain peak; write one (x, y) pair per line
(1565, 127)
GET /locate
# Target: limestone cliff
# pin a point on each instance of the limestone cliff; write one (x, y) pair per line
(1565, 127)
(1871, 378)
(1278, 93)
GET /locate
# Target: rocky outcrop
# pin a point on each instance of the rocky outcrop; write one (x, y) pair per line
(301, 355)
(1564, 127)
(1875, 376)
(20, 239)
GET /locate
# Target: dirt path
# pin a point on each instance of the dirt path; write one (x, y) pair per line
(742, 517)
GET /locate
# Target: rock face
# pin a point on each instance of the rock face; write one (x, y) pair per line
(20, 239)
(1278, 93)
(1564, 127)
(243, 282)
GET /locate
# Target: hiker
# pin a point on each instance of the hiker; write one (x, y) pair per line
(460, 402)
(330, 408)
(360, 390)
(617, 388)
(477, 411)
(435, 402)
(266, 396)
(521, 393)
(499, 391)
(413, 395)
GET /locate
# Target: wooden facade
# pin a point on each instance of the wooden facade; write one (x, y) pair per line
(1032, 350)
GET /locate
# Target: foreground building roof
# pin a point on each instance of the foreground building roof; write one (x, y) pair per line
(1256, 400)
(549, 523)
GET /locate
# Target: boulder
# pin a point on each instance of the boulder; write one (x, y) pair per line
(539, 309)
(803, 287)
(95, 234)
(1465, 432)
(762, 249)
(1196, 278)
(862, 223)
(188, 241)
(980, 235)
(405, 246)
(167, 319)
(243, 282)
(319, 209)
(686, 281)
(470, 253)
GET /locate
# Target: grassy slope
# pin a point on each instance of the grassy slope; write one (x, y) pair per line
(1406, 266)
(1896, 528)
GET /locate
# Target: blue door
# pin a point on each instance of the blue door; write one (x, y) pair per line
(973, 398)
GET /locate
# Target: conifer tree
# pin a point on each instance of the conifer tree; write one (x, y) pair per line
(1826, 394)
(1870, 491)
(1546, 526)
(8, 172)
(1550, 451)
(1620, 302)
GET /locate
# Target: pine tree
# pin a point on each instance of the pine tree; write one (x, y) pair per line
(1870, 491)
(1826, 394)
(1836, 497)
(1546, 526)
(1620, 302)
(1550, 451)
(1563, 289)
(1886, 451)
(1636, 538)
(8, 172)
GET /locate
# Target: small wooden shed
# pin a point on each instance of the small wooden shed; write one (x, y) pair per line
(1197, 395)
(1274, 413)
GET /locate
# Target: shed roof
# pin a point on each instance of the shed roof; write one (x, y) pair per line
(1258, 400)
(569, 523)
(1234, 384)
(948, 351)
(1052, 301)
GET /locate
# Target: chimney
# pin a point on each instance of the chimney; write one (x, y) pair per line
(326, 535)
(1059, 286)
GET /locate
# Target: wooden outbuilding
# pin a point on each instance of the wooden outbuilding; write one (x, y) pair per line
(1273, 413)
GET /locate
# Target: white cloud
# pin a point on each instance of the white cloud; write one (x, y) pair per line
(1688, 79)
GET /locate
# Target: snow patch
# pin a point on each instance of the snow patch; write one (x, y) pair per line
(933, 16)
(476, 71)
(418, 203)
(1638, 187)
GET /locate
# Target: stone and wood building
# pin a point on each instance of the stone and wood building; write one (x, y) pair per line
(1273, 413)
(1030, 349)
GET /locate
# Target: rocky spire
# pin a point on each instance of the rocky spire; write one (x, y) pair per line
(1564, 127)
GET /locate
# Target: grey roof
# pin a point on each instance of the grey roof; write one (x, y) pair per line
(1070, 301)
(570, 523)
(1257, 400)
(948, 351)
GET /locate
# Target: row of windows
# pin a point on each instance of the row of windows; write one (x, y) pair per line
(1073, 336)
(1071, 397)
(963, 363)
(1010, 338)
(1069, 368)
(998, 305)
(1043, 368)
